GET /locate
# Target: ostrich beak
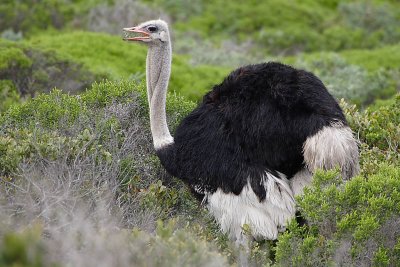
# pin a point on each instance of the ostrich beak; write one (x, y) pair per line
(144, 35)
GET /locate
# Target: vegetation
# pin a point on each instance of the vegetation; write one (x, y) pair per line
(80, 184)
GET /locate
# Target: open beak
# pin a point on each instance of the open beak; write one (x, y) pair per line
(142, 34)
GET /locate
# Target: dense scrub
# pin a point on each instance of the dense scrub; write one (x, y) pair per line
(66, 156)
(357, 82)
(31, 17)
(82, 168)
(214, 34)
(80, 184)
(72, 61)
(355, 223)
(26, 71)
(276, 26)
(288, 27)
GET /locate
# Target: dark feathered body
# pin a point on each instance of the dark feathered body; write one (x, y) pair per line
(256, 120)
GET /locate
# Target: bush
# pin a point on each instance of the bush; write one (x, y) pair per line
(24, 17)
(22, 249)
(84, 167)
(381, 58)
(290, 28)
(348, 223)
(111, 17)
(355, 222)
(378, 129)
(168, 246)
(347, 81)
(8, 95)
(108, 56)
(32, 70)
(373, 19)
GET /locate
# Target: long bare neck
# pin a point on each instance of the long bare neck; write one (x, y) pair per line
(157, 75)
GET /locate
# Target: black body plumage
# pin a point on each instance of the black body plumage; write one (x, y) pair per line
(256, 120)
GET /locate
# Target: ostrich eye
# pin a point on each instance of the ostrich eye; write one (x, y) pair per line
(152, 28)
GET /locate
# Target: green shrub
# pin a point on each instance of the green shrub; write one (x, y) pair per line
(33, 70)
(180, 10)
(46, 110)
(352, 223)
(23, 16)
(347, 223)
(111, 16)
(43, 125)
(85, 165)
(8, 95)
(351, 82)
(380, 58)
(289, 28)
(12, 56)
(178, 248)
(106, 123)
(22, 249)
(374, 19)
(108, 56)
(379, 130)
(168, 246)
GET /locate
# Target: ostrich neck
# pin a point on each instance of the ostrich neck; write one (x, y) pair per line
(157, 75)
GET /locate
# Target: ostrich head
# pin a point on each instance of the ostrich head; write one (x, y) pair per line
(153, 32)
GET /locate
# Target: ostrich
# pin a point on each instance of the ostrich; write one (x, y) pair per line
(253, 142)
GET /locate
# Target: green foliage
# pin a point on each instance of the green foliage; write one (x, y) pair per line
(101, 138)
(386, 57)
(291, 27)
(179, 10)
(32, 70)
(379, 130)
(100, 129)
(75, 128)
(8, 95)
(299, 25)
(354, 221)
(47, 110)
(11, 56)
(56, 108)
(13, 149)
(179, 248)
(168, 246)
(300, 247)
(108, 56)
(21, 137)
(346, 220)
(350, 82)
(31, 17)
(22, 249)
(379, 20)
(350, 76)
(160, 198)
(105, 92)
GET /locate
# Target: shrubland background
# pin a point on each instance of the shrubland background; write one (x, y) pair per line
(80, 183)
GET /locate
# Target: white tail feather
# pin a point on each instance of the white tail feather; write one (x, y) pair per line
(333, 146)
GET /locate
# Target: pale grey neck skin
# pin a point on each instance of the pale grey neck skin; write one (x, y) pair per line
(157, 76)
